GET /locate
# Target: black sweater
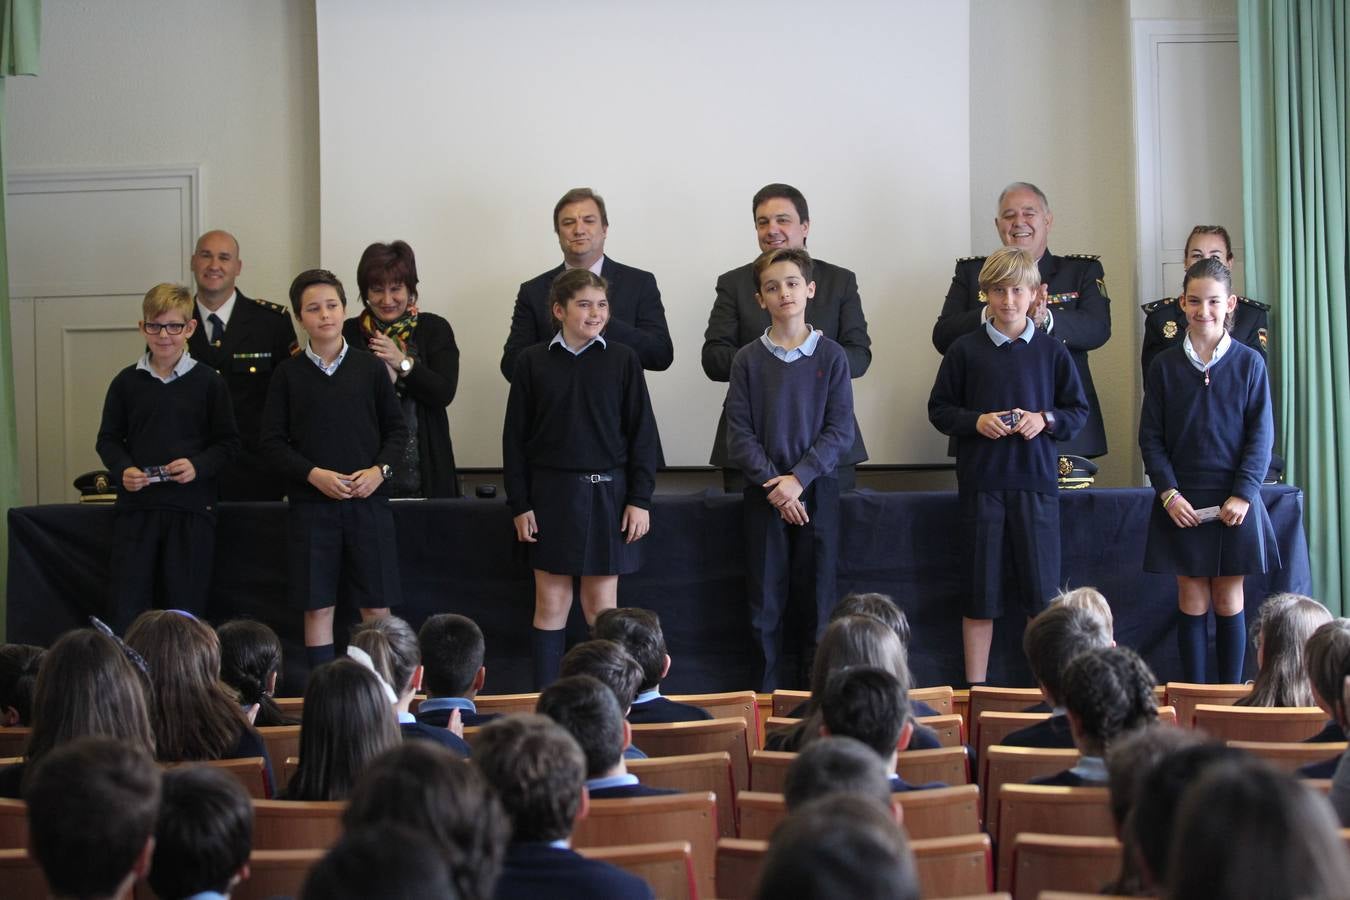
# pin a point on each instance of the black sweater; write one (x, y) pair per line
(587, 413)
(147, 422)
(345, 422)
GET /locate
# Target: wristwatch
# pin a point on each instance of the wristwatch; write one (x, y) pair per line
(1049, 421)
(386, 471)
(406, 366)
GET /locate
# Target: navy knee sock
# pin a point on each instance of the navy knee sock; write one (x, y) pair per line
(1193, 644)
(1230, 641)
(546, 649)
(317, 656)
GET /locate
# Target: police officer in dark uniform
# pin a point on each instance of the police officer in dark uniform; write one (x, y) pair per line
(1165, 320)
(1077, 311)
(243, 339)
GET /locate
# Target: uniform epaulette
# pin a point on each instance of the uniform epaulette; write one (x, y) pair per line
(269, 305)
(1081, 256)
(962, 259)
(1157, 304)
(1256, 303)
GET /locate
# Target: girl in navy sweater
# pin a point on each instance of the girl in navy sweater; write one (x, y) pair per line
(579, 451)
(1205, 433)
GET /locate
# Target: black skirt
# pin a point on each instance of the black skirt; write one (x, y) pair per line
(1212, 549)
(579, 516)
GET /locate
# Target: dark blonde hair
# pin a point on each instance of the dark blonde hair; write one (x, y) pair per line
(348, 721)
(798, 257)
(167, 297)
(192, 711)
(1009, 267)
(392, 646)
(1326, 656)
(1282, 628)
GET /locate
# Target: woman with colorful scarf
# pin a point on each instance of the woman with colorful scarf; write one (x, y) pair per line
(419, 351)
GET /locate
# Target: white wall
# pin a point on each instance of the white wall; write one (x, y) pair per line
(228, 86)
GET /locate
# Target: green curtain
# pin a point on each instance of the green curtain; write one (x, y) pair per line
(1295, 131)
(19, 24)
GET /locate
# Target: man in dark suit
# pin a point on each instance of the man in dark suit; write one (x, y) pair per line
(636, 316)
(243, 339)
(539, 773)
(588, 710)
(1076, 310)
(782, 219)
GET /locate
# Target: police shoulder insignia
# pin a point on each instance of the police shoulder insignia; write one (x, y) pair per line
(1156, 305)
(1264, 337)
(962, 259)
(269, 305)
(1170, 329)
(1101, 286)
(983, 297)
(1256, 304)
(1081, 256)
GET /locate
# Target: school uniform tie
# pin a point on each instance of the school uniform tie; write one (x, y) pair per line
(217, 328)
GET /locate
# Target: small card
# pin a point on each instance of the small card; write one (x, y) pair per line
(1208, 514)
(155, 474)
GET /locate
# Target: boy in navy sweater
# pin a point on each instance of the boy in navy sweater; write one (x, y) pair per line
(333, 428)
(168, 429)
(789, 416)
(1007, 393)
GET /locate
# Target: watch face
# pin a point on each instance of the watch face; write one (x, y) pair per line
(406, 365)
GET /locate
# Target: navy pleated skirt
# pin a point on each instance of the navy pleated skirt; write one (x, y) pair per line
(1211, 549)
(578, 523)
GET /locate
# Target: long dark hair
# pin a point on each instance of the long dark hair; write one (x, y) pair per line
(1283, 627)
(348, 721)
(250, 654)
(848, 641)
(192, 711)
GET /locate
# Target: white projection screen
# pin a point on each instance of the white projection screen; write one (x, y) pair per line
(456, 126)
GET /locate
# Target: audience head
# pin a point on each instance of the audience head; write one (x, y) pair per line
(204, 833)
(876, 606)
(1327, 657)
(1282, 628)
(452, 650)
(590, 713)
(839, 846)
(386, 265)
(538, 772)
(250, 663)
(347, 723)
(192, 712)
(869, 704)
(92, 805)
(836, 765)
(87, 687)
(856, 641)
(421, 785)
(1246, 830)
(1108, 692)
(1052, 640)
(18, 677)
(1092, 600)
(639, 632)
(608, 662)
(392, 647)
(392, 862)
(1152, 821)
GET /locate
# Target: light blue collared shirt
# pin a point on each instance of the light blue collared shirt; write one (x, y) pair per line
(432, 704)
(207, 895)
(643, 697)
(318, 360)
(407, 718)
(1219, 350)
(180, 368)
(595, 784)
(559, 342)
(1091, 768)
(999, 338)
(807, 348)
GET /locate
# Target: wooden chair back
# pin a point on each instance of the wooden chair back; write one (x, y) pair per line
(760, 813)
(994, 726)
(287, 772)
(997, 699)
(21, 876)
(731, 705)
(13, 824)
(652, 820)
(738, 863)
(506, 703)
(1048, 810)
(1167, 715)
(949, 728)
(940, 812)
(1017, 765)
(954, 866)
(768, 770)
(291, 706)
(775, 724)
(940, 698)
(297, 825)
(668, 867)
(785, 702)
(14, 740)
(282, 742)
(949, 765)
(1062, 862)
(276, 873)
(1276, 724)
(695, 773)
(1185, 695)
(1290, 757)
(250, 771)
(689, 738)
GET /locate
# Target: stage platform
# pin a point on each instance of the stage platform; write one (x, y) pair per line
(460, 556)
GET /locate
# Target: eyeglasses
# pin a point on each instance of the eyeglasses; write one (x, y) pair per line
(170, 327)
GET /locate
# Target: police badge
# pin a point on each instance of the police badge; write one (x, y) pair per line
(1169, 330)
